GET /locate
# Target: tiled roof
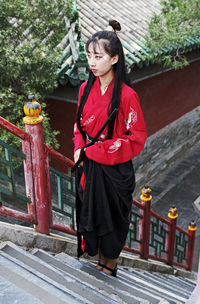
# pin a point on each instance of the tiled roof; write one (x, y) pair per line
(132, 15)
(93, 16)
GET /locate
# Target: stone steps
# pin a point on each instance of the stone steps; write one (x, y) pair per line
(39, 277)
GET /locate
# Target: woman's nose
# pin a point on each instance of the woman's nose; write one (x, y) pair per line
(92, 61)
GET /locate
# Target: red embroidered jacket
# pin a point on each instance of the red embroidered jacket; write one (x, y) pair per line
(121, 147)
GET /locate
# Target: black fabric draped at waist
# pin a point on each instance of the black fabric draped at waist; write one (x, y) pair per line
(105, 202)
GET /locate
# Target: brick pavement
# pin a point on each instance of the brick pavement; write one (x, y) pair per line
(180, 187)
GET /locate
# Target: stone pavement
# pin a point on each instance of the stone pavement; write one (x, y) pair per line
(36, 277)
(180, 187)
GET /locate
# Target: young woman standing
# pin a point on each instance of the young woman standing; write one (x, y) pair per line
(105, 179)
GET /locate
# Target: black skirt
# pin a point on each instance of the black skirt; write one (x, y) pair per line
(103, 206)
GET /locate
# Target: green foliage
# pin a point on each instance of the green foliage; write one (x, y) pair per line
(173, 31)
(30, 33)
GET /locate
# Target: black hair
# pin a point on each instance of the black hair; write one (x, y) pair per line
(112, 46)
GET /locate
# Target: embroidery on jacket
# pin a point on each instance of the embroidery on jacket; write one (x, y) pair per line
(132, 119)
(89, 120)
(116, 145)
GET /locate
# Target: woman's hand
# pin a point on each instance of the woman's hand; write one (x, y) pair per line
(77, 156)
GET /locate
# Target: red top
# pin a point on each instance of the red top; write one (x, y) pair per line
(121, 147)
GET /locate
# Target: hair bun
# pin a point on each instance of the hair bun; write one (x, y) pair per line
(115, 25)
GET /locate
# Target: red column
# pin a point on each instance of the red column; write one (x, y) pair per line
(145, 222)
(34, 128)
(172, 215)
(190, 249)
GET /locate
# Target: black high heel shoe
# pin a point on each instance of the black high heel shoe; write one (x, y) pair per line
(113, 272)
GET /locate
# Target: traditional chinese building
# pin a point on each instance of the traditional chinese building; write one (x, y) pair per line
(169, 98)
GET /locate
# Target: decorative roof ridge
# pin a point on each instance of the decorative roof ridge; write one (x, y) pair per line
(74, 66)
(74, 60)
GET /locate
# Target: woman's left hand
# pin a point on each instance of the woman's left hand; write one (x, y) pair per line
(77, 155)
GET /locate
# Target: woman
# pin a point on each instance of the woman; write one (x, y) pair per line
(105, 179)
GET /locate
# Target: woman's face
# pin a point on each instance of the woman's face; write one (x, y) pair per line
(100, 62)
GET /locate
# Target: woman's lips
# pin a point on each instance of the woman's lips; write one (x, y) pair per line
(93, 70)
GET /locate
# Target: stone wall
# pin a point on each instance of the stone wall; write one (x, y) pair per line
(165, 148)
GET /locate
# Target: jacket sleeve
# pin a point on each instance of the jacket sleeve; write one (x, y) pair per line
(78, 138)
(121, 149)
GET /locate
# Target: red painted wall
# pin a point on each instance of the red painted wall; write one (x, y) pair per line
(164, 98)
(168, 96)
(62, 116)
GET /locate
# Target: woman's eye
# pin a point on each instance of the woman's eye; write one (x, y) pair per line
(97, 57)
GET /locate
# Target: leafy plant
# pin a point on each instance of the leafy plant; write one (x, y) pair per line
(173, 31)
(30, 34)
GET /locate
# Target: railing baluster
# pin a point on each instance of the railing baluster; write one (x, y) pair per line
(190, 249)
(10, 171)
(145, 222)
(172, 215)
(47, 169)
(33, 122)
(28, 174)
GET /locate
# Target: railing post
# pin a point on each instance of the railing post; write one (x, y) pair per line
(28, 169)
(146, 198)
(33, 122)
(172, 215)
(190, 249)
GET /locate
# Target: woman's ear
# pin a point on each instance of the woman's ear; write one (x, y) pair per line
(114, 59)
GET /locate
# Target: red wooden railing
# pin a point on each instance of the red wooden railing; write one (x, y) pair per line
(37, 179)
(31, 216)
(68, 163)
(145, 234)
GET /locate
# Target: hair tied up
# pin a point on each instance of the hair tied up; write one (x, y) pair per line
(113, 26)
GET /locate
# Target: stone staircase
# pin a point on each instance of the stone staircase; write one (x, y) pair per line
(39, 277)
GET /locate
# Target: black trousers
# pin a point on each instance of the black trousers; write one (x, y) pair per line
(103, 206)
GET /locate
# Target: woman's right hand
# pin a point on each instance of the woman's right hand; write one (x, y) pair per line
(77, 156)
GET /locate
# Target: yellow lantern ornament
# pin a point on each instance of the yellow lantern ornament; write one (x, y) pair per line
(32, 109)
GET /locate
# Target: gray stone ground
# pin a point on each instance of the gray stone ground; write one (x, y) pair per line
(180, 187)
